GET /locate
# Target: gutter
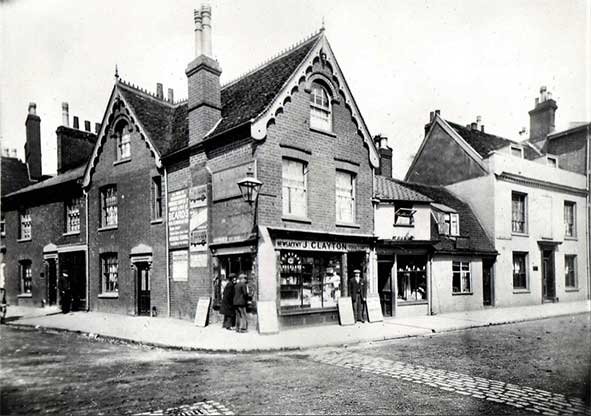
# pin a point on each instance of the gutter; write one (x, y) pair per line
(86, 254)
(588, 231)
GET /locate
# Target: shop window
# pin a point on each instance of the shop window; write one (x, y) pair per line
(345, 196)
(569, 219)
(24, 225)
(73, 215)
(412, 278)
(156, 198)
(224, 266)
(519, 213)
(404, 214)
(109, 216)
(519, 270)
(26, 277)
(461, 280)
(570, 271)
(110, 273)
(320, 109)
(309, 280)
(294, 186)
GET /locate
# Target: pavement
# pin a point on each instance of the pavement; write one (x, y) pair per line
(181, 334)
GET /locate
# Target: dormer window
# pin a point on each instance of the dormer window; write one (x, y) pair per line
(320, 109)
(517, 151)
(123, 137)
(404, 215)
(448, 220)
(552, 161)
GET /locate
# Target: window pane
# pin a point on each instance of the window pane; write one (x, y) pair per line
(518, 213)
(569, 219)
(294, 188)
(345, 196)
(519, 271)
(570, 275)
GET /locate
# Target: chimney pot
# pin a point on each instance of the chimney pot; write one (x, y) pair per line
(431, 116)
(14, 153)
(75, 122)
(206, 48)
(438, 112)
(473, 126)
(478, 119)
(97, 128)
(33, 109)
(159, 91)
(198, 32)
(171, 95)
(482, 128)
(87, 125)
(6, 152)
(65, 115)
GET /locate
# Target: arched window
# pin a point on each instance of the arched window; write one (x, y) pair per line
(320, 109)
(123, 141)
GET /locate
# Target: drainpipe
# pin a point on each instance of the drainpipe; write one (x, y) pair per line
(588, 212)
(430, 285)
(86, 253)
(166, 242)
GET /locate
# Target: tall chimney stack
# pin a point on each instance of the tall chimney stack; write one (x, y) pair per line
(159, 91)
(203, 74)
(87, 125)
(170, 95)
(76, 122)
(33, 143)
(97, 128)
(65, 115)
(542, 117)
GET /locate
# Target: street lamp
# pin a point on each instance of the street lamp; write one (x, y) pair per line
(249, 187)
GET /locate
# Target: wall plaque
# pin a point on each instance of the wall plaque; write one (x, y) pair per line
(374, 309)
(202, 311)
(346, 311)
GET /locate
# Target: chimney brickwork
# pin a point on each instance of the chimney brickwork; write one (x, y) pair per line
(385, 152)
(33, 143)
(542, 117)
(203, 73)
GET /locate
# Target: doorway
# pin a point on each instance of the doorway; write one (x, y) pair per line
(548, 278)
(487, 282)
(143, 276)
(74, 265)
(385, 285)
(51, 273)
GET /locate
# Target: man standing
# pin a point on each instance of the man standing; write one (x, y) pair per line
(240, 302)
(358, 293)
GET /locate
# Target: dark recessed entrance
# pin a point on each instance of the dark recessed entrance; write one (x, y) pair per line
(143, 276)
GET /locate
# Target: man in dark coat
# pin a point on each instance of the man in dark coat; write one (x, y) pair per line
(358, 293)
(227, 306)
(65, 292)
(240, 302)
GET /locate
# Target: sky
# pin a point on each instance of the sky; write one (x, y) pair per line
(402, 59)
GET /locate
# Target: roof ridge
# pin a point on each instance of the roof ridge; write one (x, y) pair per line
(148, 94)
(274, 58)
(483, 132)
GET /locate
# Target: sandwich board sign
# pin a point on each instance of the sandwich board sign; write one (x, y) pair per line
(346, 311)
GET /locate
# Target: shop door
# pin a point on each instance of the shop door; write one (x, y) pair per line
(51, 273)
(385, 286)
(143, 273)
(487, 278)
(548, 286)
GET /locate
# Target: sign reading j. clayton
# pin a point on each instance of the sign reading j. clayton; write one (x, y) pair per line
(319, 245)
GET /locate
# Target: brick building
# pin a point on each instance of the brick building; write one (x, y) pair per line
(45, 229)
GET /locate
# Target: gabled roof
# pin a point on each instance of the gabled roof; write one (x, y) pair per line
(470, 227)
(71, 175)
(573, 130)
(389, 189)
(14, 175)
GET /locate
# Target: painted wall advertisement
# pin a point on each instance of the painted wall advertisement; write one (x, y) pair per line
(198, 225)
(178, 219)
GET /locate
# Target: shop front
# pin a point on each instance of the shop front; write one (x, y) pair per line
(313, 271)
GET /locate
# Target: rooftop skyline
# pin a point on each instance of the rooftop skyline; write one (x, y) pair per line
(401, 59)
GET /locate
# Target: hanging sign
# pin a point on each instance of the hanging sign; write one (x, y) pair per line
(178, 219)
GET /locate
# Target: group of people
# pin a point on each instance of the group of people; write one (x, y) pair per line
(235, 298)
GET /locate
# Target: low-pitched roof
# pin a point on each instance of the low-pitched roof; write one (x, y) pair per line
(14, 175)
(67, 176)
(390, 189)
(470, 227)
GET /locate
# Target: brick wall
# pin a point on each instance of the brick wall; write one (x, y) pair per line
(571, 150)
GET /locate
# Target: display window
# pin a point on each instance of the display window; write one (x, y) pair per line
(224, 266)
(412, 279)
(309, 280)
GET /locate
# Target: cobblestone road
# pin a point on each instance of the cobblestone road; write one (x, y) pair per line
(521, 397)
(208, 407)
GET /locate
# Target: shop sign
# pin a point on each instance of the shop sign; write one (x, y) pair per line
(346, 311)
(178, 219)
(319, 245)
(202, 311)
(198, 260)
(374, 309)
(179, 265)
(198, 217)
(198, 196)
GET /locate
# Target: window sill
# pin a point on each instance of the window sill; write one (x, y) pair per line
(157, 221)
(71, 233)
(24, 240)
(519, 234)
(520, 291)
(108, 296)
(303, 311)
(121, 161)
(304, 220)
(411, 302)
(403, 225)
(570, 238)
(571, 289)
(25, 295)
(327, 132)
(347, 225)
(108, 228)
(462, 293)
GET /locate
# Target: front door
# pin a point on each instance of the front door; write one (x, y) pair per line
(548, 285)
(385, 286)
(51, 273)
(143, 272)
(74, 264)
(487, 277)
